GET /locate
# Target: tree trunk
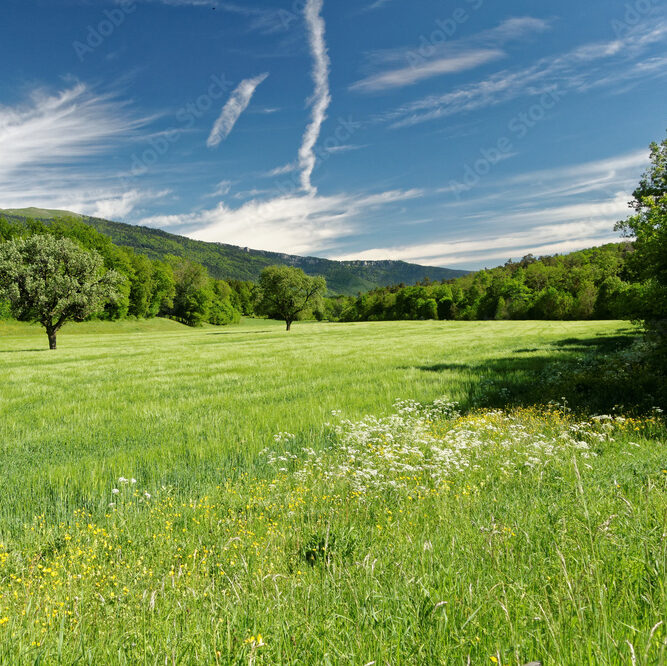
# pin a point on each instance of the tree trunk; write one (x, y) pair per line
(52, 338)
(289, 324)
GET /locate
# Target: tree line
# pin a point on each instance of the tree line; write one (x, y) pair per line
(598, 283)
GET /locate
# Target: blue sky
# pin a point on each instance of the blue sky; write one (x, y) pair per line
(456, 133)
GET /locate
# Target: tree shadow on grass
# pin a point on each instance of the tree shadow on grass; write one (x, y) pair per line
(600, 344)
(17, 351)
(594, 375)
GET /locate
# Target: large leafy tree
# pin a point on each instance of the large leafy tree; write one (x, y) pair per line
(53, 280)
(649, 228)
(287, 293)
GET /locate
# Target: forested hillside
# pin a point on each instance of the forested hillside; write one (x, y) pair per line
(226, 262)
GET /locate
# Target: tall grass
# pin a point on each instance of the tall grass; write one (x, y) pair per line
(425, 537)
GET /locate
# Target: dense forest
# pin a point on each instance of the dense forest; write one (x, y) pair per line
(226, 262)
(590, 284)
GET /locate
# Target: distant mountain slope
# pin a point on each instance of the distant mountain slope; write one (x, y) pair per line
(229, 261)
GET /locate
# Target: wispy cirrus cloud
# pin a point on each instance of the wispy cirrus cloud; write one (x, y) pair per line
(46, 142)
(436, 58)
(221, 189)
(376, 5)
(58, 128)
(321, 96)
(413, 74)
(612, 174)
(291, 167)
(232, 110)
(345, 148)
(577, 70)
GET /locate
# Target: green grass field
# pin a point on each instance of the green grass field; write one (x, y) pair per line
(431, 537)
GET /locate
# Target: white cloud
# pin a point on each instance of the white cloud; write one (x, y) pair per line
(266, 21)
(411, 75)
(552, 217)
(609, 167)
(321, 96)
(442, 56)
(44, 142)
(59, 128)
(232, 110)
(345, 148)
(533, 227)
(282, 170)
(75, 190)
(376, 5)
(620, 172)
(514, 28)
(573, 71)
(253, 193)
(543, 239)
(298, 224)
(114, 207)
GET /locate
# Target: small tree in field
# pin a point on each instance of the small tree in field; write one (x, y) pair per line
(287, 292)
(52, 281)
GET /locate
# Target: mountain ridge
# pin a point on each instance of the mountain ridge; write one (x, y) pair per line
(225, 261)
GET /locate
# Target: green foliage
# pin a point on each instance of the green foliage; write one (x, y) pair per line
(150, 287)
(243, 296)
(8, 230)
(583, 285)
(222, 310)
(52, 281)
(596, 283)
(199, 299)
(163, 289)
(288, 293)
(193, 297)
(649, 229)
(5, 310)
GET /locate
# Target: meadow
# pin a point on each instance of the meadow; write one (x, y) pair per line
(243, 495)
